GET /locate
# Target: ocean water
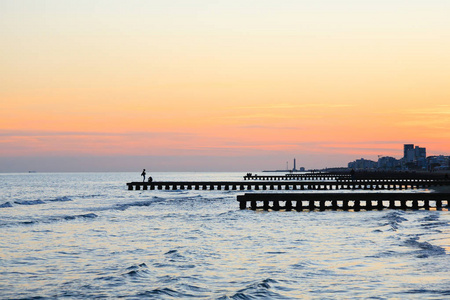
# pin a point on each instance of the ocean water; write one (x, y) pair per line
(84, 235)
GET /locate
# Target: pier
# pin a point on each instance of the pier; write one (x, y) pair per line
(320, 191)
(358, 175)
(341, 184)
(343, 201)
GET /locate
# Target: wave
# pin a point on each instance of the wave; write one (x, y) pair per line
(29, 202)
(388, 253)
(173, 255)
(50, 220)
(194, 288)
(303, 265)
(60, 199)
(6, 204)
(125, 206)
(140, 270)
(83, 216)
(425, 249)
(430, 218)
(432, 221)
(181, 199)
(90, 196)
(257, 290)
(152, 201)
(37, 202)
(428, 291)
(164, 292)
(394, 219)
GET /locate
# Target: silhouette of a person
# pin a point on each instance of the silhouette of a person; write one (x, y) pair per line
(143, 175)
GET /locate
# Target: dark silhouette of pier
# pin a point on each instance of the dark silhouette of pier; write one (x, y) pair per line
(342, 184)
(338, 191)
(343, 201)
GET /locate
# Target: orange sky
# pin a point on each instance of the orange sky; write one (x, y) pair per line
(243, 79)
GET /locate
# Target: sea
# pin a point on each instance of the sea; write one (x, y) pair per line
(86, 236)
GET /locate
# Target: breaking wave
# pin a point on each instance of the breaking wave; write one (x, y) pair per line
(36, 202)
(125, 206)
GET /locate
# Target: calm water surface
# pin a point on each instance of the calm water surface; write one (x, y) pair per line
(84, 235)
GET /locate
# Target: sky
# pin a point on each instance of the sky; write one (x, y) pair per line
(212, 85)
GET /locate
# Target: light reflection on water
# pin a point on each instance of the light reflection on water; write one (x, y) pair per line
(91, 237)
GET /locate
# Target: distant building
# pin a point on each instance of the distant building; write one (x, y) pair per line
(440, 162)
(363, 164)
(388, 163)
(414, 157)
(420, 152)
(408, 152)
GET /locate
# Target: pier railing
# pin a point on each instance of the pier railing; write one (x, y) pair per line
(359, 175)
(298, 177)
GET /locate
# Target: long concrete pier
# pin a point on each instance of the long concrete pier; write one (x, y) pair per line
(343, 201)
(343, 184)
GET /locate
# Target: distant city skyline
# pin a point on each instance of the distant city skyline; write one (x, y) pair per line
(219, 85)
(190, 163)
(414, 158)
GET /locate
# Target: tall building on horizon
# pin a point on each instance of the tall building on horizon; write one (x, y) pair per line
(420, 152)
(416, 155)
(408, 152)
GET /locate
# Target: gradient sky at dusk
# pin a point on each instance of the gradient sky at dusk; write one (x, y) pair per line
(220, 85)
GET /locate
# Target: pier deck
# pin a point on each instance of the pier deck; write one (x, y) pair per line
(344, 201)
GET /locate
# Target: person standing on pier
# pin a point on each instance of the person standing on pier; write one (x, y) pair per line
(143, 175)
